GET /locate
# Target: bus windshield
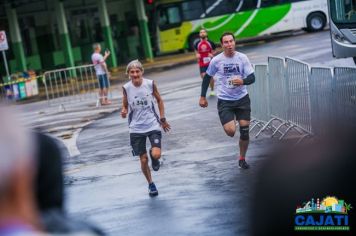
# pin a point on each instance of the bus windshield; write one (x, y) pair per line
(343, 11)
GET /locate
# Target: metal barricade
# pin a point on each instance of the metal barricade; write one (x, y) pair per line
(277, 87)
(322, 89)
(345, 95)
(298, 95)
(300, 98)
(259, 97)
(70, 85)
(277, 94)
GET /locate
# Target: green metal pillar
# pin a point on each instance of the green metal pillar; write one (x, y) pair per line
(63, 33)
(16, 40)
(105, 24)
(144, 32)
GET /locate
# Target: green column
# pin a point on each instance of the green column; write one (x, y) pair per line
(63, 33)
(16, 40)
(144, 33)
(105, 24)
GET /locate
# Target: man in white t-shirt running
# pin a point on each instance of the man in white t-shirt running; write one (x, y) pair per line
(144, 121)
(232, 71)
(102, 72)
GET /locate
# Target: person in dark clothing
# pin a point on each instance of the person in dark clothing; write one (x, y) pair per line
(50, 192)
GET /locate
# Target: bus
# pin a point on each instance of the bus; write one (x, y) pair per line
(177, 22)
(343, 28)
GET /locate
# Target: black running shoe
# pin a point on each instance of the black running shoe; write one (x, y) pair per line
(155, 163)
(243, 164)
(152, 190)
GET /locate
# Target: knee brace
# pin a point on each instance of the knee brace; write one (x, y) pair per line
(244, 133)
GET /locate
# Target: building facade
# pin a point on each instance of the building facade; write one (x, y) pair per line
(49, 34)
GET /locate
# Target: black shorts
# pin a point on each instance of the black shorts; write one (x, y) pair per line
(203, 69)
(138, 141)
(228, 110)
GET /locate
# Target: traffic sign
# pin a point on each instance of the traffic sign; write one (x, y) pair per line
(3, 41)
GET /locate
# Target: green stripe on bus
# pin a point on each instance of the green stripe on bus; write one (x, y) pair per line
(264, 19)
(232, 25)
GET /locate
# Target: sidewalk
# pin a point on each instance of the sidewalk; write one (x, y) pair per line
(158, 64)
(66, 122)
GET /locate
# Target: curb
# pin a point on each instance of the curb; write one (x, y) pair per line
(159, 68)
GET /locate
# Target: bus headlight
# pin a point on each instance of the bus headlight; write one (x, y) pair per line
(340, 38)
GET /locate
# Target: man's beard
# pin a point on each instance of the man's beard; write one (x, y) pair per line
(203, 37)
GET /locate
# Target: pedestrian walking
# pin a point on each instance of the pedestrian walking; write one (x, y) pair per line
(144, 121)
(232, 71)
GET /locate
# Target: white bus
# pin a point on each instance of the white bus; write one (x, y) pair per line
(177, 22)
(343, 28)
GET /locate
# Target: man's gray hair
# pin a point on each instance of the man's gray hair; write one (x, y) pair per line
(17, 146)
(134, 64)
(96, 45)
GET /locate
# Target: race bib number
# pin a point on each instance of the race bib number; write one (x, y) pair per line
(206, 60)
(229, 83)
(140, 102)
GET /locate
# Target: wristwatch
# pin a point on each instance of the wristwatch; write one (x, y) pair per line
(162, 120)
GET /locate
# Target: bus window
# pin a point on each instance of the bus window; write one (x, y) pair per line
(169, 17)
(192, 9)
(343, 11)
(216, 8)
(270, 3)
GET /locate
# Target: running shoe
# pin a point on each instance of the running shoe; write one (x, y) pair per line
(152, 190)
(212, 93)
(155, 163)
(243, 164)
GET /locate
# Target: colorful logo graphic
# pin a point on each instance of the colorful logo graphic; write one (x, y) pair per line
(329, 214)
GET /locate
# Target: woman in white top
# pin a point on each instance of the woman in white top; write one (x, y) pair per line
(138, 103)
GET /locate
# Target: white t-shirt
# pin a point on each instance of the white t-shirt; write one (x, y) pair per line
(98, 61)
(224, 68)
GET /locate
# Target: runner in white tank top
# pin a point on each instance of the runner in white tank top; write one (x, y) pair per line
(144, 121)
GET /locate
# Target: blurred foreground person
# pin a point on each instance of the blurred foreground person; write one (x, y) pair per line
(50, 192)
(306, 179)
(18, 210)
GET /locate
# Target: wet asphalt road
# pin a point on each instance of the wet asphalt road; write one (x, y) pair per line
(201, 190)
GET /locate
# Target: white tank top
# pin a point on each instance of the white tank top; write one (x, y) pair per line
(142, 113)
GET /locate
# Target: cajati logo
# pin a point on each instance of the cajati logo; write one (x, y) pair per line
(328, 214)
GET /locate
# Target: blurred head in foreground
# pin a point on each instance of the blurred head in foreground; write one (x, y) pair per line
(18, 210)
(294, 177)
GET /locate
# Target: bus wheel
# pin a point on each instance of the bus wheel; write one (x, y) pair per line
(316, 22)
(192, 39)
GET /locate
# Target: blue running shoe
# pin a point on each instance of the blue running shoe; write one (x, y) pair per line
(152, 190)
(243, 164)
(155, 163)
